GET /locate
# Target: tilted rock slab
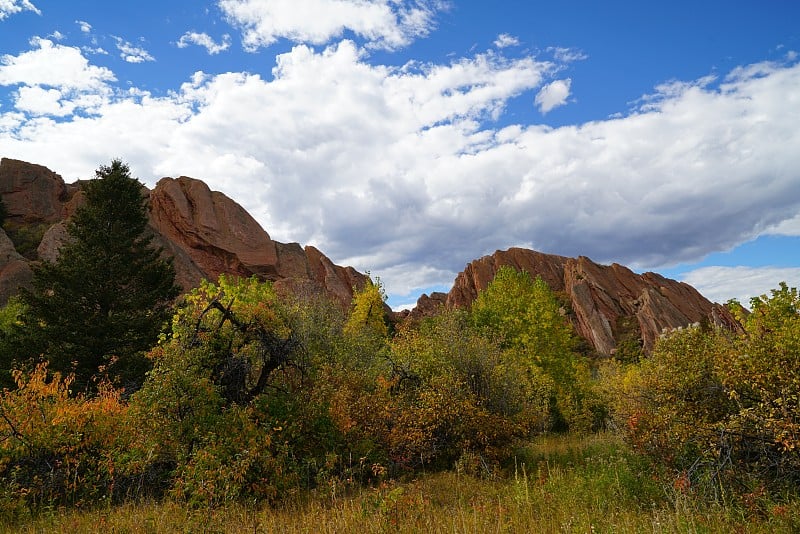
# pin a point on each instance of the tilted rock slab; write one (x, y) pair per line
(204, 232)
(602, 298)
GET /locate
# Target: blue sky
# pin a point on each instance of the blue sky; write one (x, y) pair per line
(408, 137)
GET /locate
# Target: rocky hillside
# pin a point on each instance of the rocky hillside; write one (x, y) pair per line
(205, 232)
(608, 304)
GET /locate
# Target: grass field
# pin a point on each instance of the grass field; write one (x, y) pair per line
(557, 484)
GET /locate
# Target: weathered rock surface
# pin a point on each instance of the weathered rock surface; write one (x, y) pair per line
(209, 234)
(607, 301)
(51, 242)
(32, 193)
(337, 280)
(15, 272)
(204, 232)
(217, 234)
(428, 305)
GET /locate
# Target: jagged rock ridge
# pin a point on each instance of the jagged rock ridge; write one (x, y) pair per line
(608, 302)
(205, 232)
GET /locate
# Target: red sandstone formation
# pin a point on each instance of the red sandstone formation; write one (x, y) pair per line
(605, 300)
(204, 232)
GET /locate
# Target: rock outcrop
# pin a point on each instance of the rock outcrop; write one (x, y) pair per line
(208, 234)
(32, 193)
(216, 234)
(427, 305)
(15, 272)
(204, 232)
(608, 302)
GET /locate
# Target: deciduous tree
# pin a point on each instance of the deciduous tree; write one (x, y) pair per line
(526, 318)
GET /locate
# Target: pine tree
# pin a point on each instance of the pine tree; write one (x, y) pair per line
(102, 304)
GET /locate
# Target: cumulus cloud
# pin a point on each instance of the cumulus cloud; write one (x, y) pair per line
(53, 81)
(505, 40)
(53, 65)
(553, 95)
(12, 7)
(39, 101)
(720, 284)
(132, 53)
(400, 170)
(388, 24)
(84, 26)
(205, 40)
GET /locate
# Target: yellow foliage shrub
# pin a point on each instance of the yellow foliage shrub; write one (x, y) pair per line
(56, 447)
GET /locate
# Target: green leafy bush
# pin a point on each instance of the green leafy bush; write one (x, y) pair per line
(763, 379)
(230, 408)
(721, 409)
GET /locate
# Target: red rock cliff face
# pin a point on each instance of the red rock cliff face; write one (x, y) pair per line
(215, 233)
(209, 234)
(204, 232)
(32, 193)
(607, 301)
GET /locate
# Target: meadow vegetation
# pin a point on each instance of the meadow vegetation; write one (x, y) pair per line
(566, 483)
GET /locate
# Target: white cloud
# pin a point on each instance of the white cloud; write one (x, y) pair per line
(11, 121)
(787, 227)
(205, 40)
(12, 7)
(54, 81)
(676, 88)
(38, 101)
(719, 284)
(505, 40)
(132, 53)
(84, 26)
(567, 55)
(386, 24)
(98, 50)
(553, 95)
(400, 171)
(53, 65)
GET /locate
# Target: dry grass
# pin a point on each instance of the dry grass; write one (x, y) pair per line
(560, 484)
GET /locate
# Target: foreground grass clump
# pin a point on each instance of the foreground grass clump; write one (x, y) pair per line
(560, 484)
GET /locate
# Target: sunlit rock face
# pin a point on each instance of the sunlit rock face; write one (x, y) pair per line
(214, 232)
(607, 302)
(31, 193)
(204, 232)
